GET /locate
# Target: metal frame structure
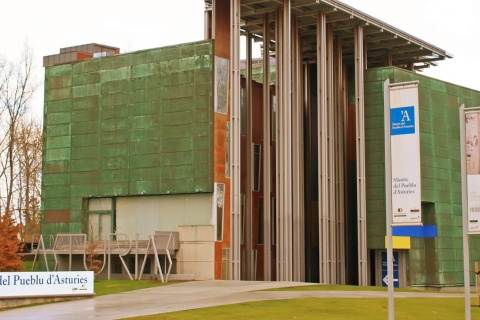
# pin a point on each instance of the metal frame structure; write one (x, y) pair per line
(267, 154)
(235, 223)
(384, 41)
(334, 36)
(159, 243)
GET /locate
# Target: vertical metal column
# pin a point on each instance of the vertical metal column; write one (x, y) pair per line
(340, 111)
(267, 237)
(284, 143)
(331, 165)
(279, 145)
(324, 237)
(280, 241)
(235, 222)
(389, 60)
(360, 144)
(307, 165)
(287, 150)
(301, 152)
(208, 22)
(297, 159)
(296, 262)
(249, 179)
(365, 55)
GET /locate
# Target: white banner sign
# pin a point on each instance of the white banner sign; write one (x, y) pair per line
(42, 284)
(405, 154)
(472, 150)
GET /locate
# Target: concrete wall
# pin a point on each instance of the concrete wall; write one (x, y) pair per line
(197, 251)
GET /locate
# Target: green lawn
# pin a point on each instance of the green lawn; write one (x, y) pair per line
(310, 308)
(331, 309)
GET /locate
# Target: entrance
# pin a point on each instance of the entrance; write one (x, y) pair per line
(399, 268)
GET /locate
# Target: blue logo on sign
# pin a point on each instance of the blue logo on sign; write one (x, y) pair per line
(396, 270)
(402, 120)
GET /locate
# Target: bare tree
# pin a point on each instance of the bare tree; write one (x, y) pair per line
(28, 151)
(19, 140)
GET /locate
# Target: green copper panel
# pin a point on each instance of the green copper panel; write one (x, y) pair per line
(128, 124)
(432, 261)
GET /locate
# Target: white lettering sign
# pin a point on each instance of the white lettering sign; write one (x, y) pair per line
(472, 149)
(40, 284)
(405, 154)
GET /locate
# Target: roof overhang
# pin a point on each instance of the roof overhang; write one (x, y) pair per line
(381, 39)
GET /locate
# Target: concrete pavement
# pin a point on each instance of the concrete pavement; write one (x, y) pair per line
(184, 296)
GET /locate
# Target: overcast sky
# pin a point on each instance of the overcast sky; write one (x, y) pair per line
(49, 25)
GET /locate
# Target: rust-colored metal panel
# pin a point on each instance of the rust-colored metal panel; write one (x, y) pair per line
(220, 147)
(83, 56)
(222, 29)
(222, 49)
(57, 216)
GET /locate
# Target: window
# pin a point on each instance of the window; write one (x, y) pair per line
(225, 263)
(257, 158)
(273, 110)
(260, 221)
(273, 222)
(140, 216)
(242, 219)
(221, 85)
(227, 152)
(100, 216)
(243, 112)
(219, 200)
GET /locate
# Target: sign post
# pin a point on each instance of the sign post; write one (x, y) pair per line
(470, 159)
(388, 198)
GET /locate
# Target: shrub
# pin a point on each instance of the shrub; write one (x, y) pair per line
(10, 258)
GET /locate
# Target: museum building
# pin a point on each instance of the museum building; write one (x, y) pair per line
(189, 161)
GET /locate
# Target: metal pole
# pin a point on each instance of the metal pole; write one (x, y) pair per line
(299, 155)
(331, 179)
(70, 253)
(340, 146)
(279, 147)
(266, 153)
(207, 21)
(136, 257)
(235, 139)
(466, 255)
(298, 215)
(249, 163)
(287, 122)
(360, 143)
(109, 259)
(388, 198)
(322, 147)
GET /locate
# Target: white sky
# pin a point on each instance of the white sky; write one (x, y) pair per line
(49, 25)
